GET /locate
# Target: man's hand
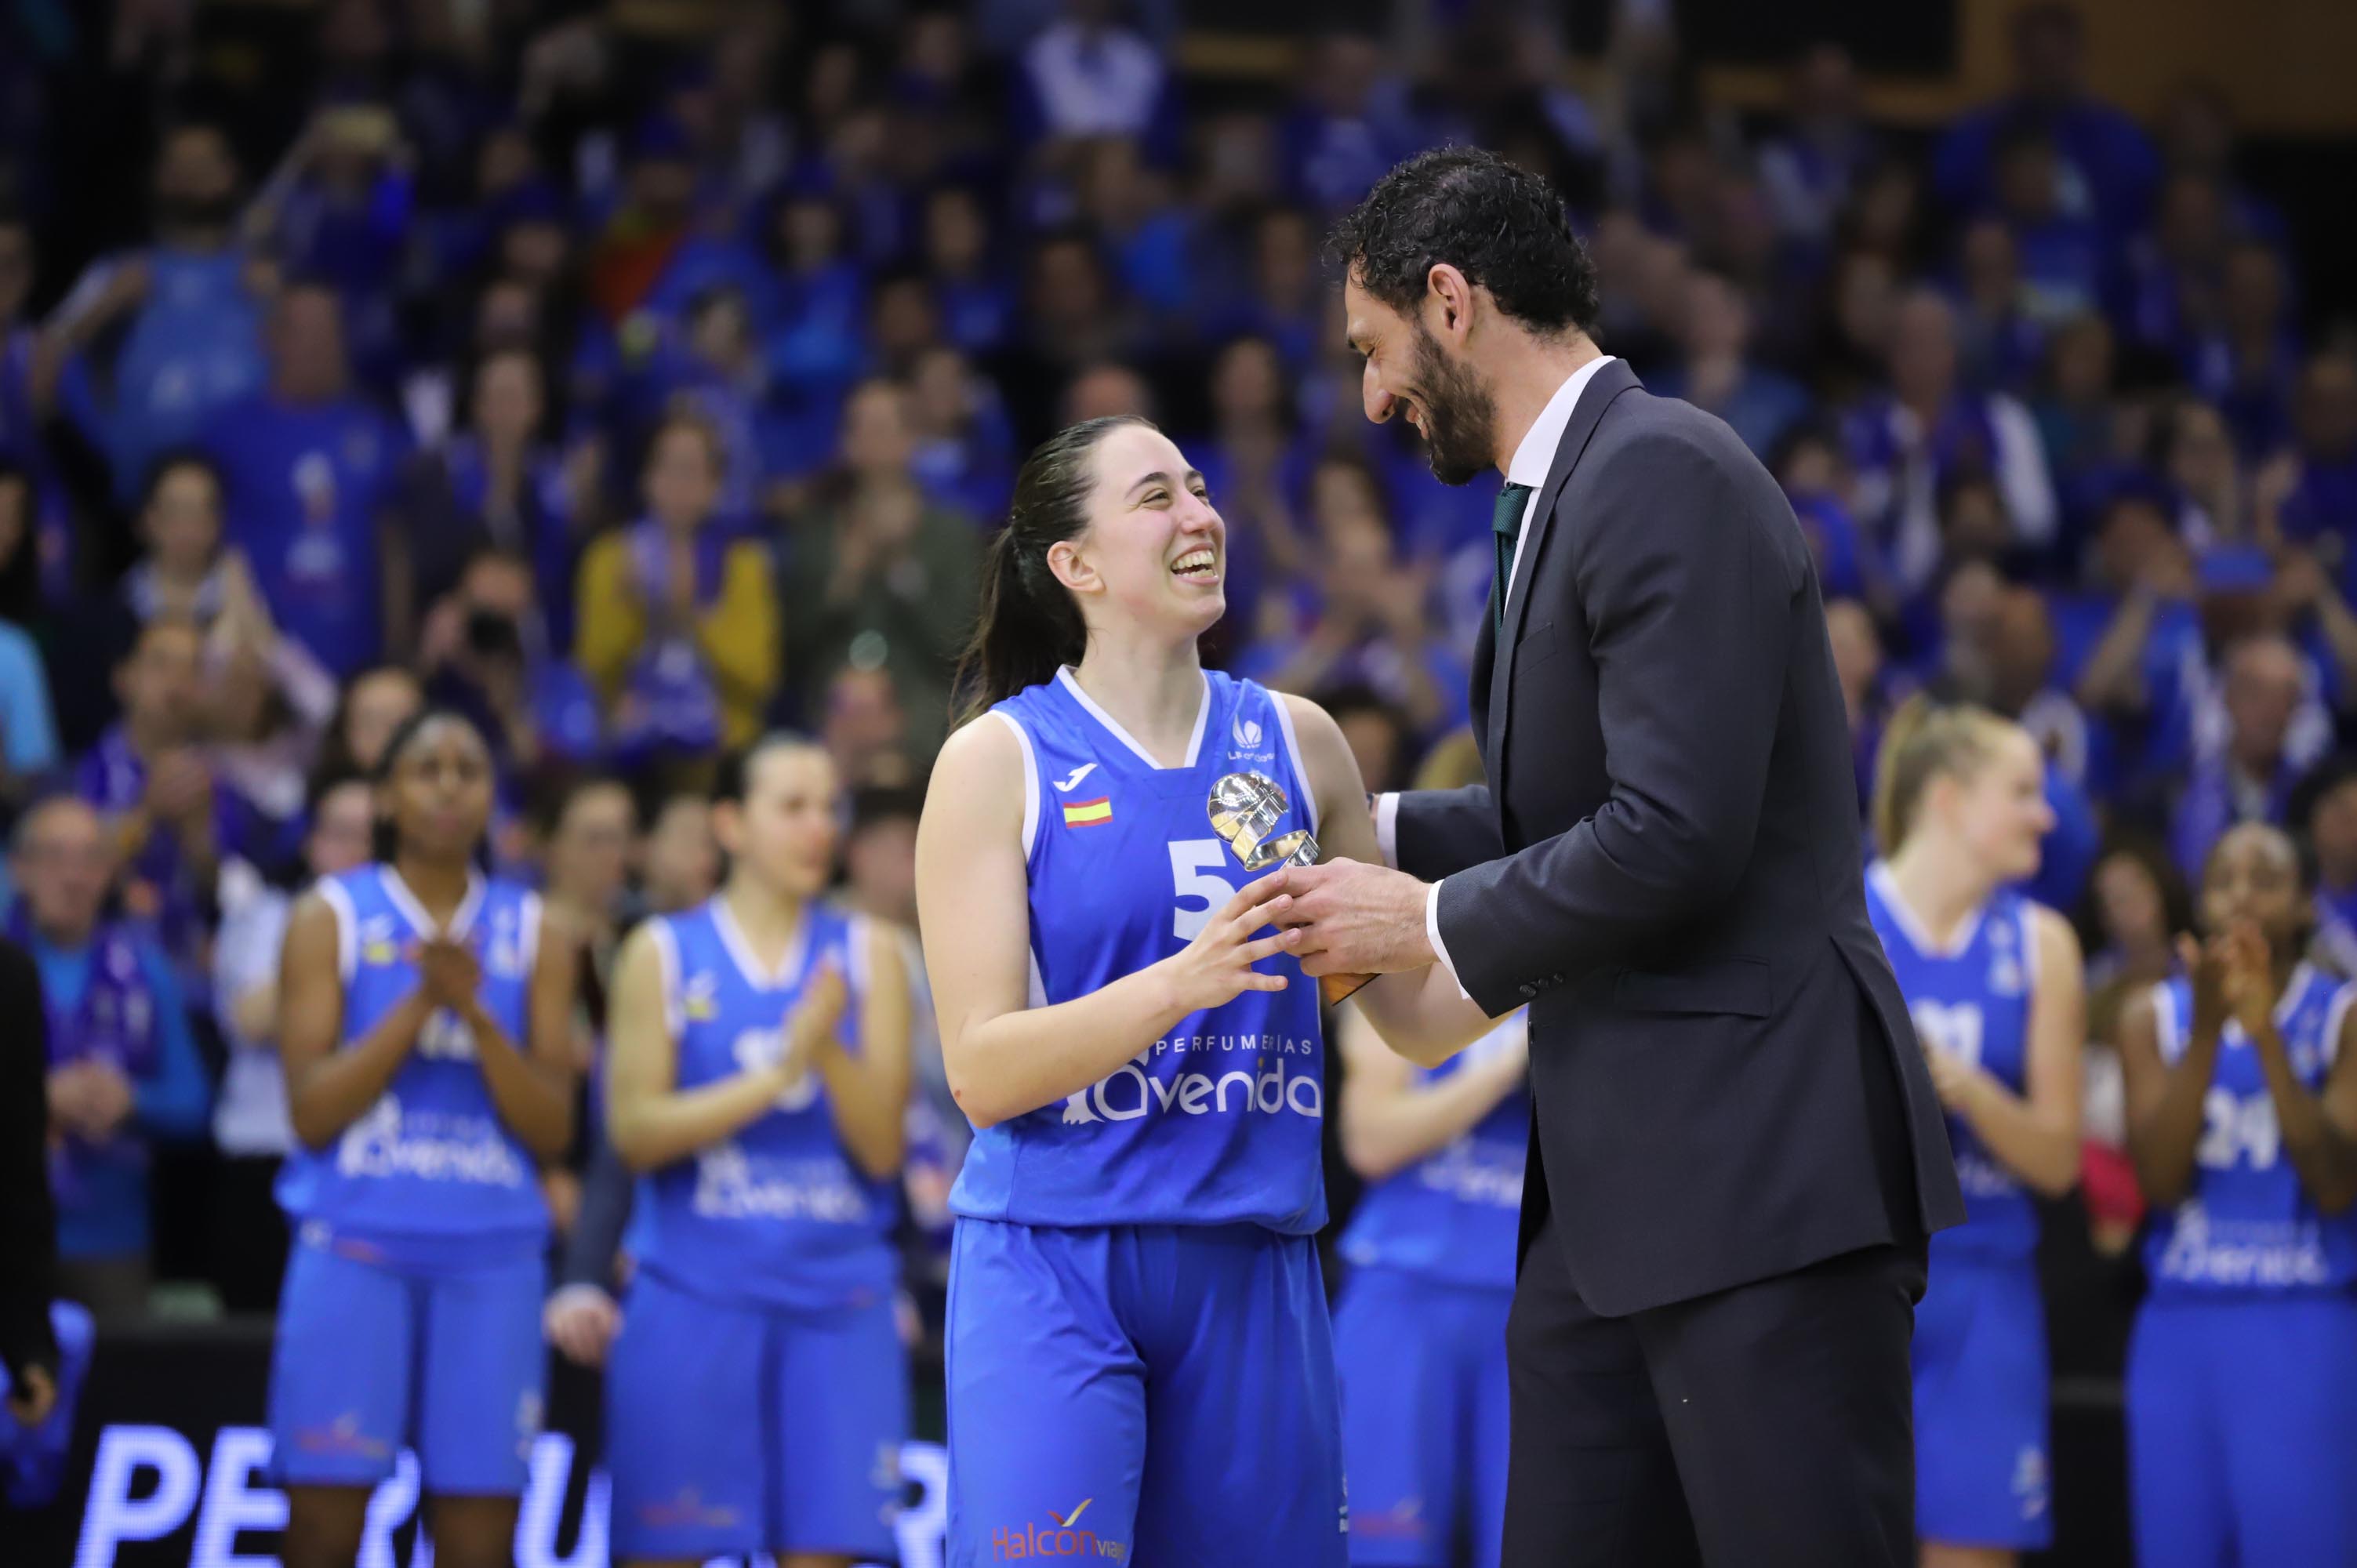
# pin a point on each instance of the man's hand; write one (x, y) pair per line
(1356, 918)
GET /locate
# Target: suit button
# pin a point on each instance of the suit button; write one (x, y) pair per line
(1529, 992)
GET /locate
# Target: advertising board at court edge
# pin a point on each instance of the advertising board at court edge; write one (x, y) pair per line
(157, 1496)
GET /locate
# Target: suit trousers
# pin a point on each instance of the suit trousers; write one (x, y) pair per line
(1768, 1425)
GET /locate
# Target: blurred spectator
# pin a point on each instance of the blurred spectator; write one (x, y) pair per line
(485, 652)
(978, 304)
(1089, 76)
(2171, 272)
(1147, 236)
(1809, 171)
(171, 822)
(2310, 494)
(2001, 330)
(1368, 625)
(1858, 665)
(339, 208)
(1071, 318)
(500, 482)
(309, 468)
(2074, 409)
(865, 728)
(2132, 644)
(375, 703)
(1257, 469)
(249, 1122)
(1716, 373)
(2015, 667)
(1106, 390)
(2196, 455)
(28, 730)
(588, 831)
(2324, 811)
(1929, 430)
(2250, 777)
(2247, 362)
(1813, 465)
(2107, 164)
(151, 343)
(678, 624)
(2060, 253)
(123, 1067)
(964, 453)
(679, 861)
(1348, 123)
(880, 576)
(1379, 735)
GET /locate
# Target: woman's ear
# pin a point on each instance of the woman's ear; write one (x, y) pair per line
(1073, 567)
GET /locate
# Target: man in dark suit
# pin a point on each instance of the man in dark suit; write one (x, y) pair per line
(1737, 1152)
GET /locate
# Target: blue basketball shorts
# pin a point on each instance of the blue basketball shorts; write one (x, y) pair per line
(735, 1428)
(1981, 1469)
(2242, 1431)
(1157, 1394)
(1423, 1369)
(381, 1349)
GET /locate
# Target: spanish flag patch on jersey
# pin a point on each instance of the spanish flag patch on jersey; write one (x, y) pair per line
(1088, 814)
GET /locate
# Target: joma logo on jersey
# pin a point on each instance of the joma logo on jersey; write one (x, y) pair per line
(1128, 1092)
(1062, 1538)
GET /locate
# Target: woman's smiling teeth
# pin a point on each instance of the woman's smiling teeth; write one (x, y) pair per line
(1198, 566)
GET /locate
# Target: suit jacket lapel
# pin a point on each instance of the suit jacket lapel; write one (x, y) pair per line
(1608, 382)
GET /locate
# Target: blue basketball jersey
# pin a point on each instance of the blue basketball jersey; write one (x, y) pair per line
(430, 1157)
(778, 1214)
(1455, 1215)
(1218, 1121)
(2249, 1226)
(1970, 998)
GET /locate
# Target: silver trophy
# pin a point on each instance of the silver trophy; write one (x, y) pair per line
(1245, 808)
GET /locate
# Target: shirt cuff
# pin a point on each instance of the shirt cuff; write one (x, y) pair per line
(1387, 827)
(1432, 934)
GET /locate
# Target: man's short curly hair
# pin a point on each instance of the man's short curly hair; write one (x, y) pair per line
(1502, 227)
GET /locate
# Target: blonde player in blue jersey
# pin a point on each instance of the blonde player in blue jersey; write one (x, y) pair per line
(1140, 1366)
(1995, 986)
(424, 1023)
(2242, 1091)
(757, 1396)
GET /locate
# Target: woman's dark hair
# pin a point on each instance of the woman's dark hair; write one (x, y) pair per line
(336, 759)
(384, 834)
(1504, 228)
(1027, 627)
(171, 462)
(734, 777)
(559, 793)
(20, 574)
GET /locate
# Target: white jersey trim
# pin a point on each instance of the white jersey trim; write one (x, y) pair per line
(1030, 781)
(1194, 742)
(2335, 1013)
(2169, 1030)
(339, 900)
(666, 943)
(1903, 916)
(1293, 750)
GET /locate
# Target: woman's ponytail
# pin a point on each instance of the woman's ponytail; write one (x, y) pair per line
(1028, 625)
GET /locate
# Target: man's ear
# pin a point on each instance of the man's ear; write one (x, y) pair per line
(1073, 567)
(1447, 304)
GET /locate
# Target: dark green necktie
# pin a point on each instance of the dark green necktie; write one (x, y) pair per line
(1506, 522)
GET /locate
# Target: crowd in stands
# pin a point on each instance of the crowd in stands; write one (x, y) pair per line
(635, 395)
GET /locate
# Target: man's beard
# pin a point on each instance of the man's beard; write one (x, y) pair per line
(1460, 420)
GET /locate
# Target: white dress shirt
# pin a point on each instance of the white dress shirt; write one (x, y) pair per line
(1529, 465)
